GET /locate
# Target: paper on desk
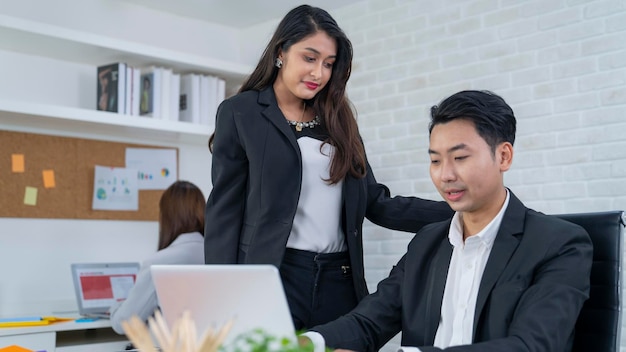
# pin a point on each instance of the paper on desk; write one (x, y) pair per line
(115, 188)
(30, 321)
(15, 348)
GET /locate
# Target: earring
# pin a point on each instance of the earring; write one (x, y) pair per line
(278, 63)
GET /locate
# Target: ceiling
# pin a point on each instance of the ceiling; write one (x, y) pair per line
(235, 13)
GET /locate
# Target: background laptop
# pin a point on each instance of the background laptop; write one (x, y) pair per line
(214, 294)
(100, 285)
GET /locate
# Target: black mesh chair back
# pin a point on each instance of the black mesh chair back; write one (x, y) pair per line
(599, 325)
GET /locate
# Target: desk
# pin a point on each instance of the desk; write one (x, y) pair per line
(70, 336)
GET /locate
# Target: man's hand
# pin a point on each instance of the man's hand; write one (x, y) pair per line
(306, 342)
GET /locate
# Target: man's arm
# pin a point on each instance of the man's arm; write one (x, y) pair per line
(374, 321)
(402, 213)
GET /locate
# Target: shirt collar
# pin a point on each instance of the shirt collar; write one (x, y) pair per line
(487, 235)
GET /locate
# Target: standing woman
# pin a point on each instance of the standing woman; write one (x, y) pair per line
(291, 183)
(181, 225)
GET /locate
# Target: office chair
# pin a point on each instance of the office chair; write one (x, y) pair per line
(598, 327)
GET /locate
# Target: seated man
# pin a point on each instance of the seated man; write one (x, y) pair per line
(497, 276)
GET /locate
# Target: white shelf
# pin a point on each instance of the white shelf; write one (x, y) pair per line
(50, 41)
(42, 39)
(61, 120)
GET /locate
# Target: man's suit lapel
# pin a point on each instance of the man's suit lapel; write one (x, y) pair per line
(276, 117)
(504, 246)
(436, 284)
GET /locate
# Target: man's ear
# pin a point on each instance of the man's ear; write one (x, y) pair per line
(504, 155)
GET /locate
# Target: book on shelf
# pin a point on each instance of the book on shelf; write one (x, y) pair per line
(166, 85)
(150, 95)
(208, 93)
(159, 93)
(175, 97)
(132, 90)
(112, 87)
(212, 93)
(221, 95)
(190, 98)
(128, 90)
(136, 92)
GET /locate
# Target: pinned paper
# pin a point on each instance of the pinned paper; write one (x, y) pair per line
(17, 163)
(48, 179)
(115, 188)
(156, 168)
(30, 196)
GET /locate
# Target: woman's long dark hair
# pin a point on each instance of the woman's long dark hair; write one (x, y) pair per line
(331, 102)
(181, 210)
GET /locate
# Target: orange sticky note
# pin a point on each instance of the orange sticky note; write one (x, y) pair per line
(30, 196)
(17, 162)
(48, 179)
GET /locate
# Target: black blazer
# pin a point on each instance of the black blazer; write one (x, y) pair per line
(532, 289)
(257, 173)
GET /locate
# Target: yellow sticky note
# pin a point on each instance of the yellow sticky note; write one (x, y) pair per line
(17, 162)
(30, 196)
(48, 179)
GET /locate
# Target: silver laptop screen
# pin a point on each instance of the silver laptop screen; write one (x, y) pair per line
(100, 285)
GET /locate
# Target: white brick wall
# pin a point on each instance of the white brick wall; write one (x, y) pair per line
(561, 64)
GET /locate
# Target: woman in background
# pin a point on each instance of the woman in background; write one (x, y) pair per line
(181, 228)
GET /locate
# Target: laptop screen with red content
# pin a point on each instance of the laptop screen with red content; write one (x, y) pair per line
(101, 288)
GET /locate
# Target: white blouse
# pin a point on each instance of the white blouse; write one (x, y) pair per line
(317, 224)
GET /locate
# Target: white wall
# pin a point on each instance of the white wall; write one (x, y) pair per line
(254, 39)
(561, 64)
(35, 254)
(127, 21)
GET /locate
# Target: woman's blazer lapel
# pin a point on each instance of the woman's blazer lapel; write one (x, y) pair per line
(276, 117)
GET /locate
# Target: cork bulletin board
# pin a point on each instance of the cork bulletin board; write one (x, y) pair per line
(72, 162)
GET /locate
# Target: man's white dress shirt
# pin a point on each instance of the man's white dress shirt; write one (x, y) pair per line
(469, 258)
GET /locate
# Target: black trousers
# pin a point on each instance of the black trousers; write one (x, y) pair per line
(318, 286)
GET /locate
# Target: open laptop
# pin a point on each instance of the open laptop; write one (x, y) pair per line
(213, 294)
(99, 285)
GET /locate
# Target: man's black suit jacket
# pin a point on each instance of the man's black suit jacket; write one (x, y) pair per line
(533, 287)
(257, 173)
